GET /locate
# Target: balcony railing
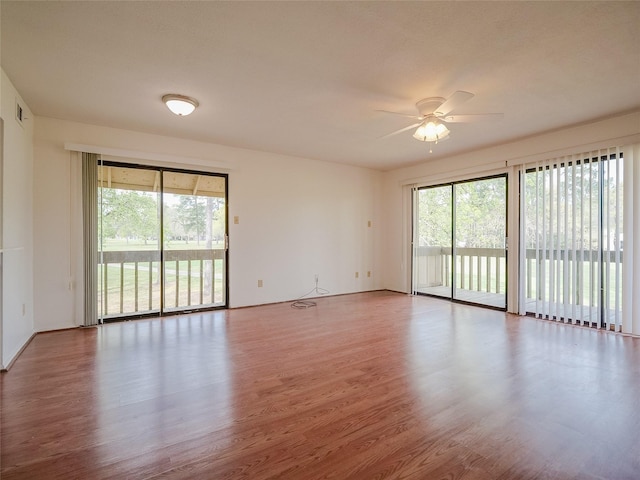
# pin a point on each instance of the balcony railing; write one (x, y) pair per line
(195, 278)
(478, 269)
(578, 267)
(130, 280)
(551, 275)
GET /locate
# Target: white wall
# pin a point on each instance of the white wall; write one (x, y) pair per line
(297, 217)
(17, 225)
(614, 131)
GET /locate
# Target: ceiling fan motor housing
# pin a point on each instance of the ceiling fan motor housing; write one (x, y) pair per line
(427, 106)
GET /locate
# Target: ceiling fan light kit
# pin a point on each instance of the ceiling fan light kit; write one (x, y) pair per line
(431, 131)
(180, 105)
(434, 113)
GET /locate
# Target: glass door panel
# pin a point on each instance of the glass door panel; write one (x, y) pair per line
(432, 242)
(479, 238)
(194, 255)
(128, 242)
(459, 241)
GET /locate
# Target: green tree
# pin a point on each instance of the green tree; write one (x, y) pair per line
(481, 213)
(128, 214)
(479, 210)
(434, 210)
(190, 215)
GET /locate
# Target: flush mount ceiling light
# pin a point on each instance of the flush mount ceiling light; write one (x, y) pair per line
(179, 104)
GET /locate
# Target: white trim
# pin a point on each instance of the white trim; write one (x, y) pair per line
(10, 249)
(407, 248)
(414, 234)
(150, 158)
(453, 176)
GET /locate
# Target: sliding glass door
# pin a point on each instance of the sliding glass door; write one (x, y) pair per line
(573, 239)
(459, 241)
(128, 242)
(432, 272)
(161, 241)
(194, 253)
(480, 232)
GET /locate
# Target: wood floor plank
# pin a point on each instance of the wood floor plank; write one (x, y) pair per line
(377, 385)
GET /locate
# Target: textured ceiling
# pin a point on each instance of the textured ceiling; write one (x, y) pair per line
(306, 78)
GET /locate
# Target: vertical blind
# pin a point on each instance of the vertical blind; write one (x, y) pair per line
(90, 236)
(631, 259)
(572, 209)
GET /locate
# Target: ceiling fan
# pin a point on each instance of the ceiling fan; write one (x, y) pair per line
(435, 112)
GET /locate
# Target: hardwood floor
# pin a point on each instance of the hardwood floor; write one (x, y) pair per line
(369, 386)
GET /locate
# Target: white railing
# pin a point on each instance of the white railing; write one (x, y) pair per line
(558, 277)
(477, 269)
(130, 280)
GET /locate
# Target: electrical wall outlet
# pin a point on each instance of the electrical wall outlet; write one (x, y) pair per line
(357, 274)
(259, 283)
(368, 273)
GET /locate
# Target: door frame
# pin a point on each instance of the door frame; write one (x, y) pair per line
(453, 269)
(189, 309)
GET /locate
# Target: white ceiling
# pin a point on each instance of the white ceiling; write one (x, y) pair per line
(306, 78)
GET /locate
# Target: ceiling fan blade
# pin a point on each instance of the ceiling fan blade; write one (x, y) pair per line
(415, 125)
(407, 115)
(458, 98)
(481, 117)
